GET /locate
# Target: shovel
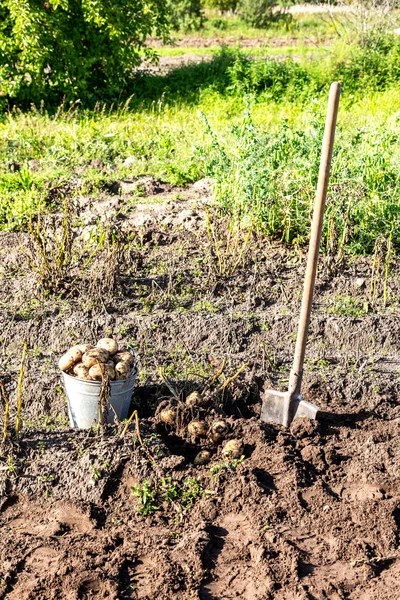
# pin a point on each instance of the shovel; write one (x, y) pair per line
(283, 407)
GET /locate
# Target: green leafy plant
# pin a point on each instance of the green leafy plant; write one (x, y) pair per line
(222, 5)
(348, 307)
(170, 491)
(261, 13)
(147, 498)
(74, 49)
(186, 15)
(229, 466)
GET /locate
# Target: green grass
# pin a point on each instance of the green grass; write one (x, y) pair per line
(225, 26)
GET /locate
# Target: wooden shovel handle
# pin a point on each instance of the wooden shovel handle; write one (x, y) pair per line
(315, 239)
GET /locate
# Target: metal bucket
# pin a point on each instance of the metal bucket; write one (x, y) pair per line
(83, 399)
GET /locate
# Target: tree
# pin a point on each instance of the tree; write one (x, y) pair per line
(83, 49)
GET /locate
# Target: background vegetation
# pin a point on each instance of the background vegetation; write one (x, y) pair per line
(252, 119)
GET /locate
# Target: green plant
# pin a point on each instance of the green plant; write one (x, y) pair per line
(191, 490)
(229, 466)
(270, 180)
(348, 307)
(180, 494)
(222, 5)
(186, 15)
(73, 49)
(169, 491)
(147, 497)
(260, 13)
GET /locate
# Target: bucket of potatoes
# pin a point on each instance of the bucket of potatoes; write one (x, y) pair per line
(84, 367)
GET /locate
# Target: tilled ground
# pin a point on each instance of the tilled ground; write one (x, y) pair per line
(309, 513)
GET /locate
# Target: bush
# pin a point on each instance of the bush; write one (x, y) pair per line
(278, 78)
(185, 14)
(260, 13)
(72, 48)
(222, 5)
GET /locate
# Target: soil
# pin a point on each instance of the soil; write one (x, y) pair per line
(309, 513)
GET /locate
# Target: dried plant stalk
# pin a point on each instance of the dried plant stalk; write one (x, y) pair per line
(6, 411)
(18, 421)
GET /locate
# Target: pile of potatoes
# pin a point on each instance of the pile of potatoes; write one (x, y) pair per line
(215, 432)
(91, 362)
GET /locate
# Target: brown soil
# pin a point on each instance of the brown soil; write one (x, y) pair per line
(234, 41)
(309, 513)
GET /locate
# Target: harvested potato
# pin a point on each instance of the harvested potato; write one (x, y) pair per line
(92, 357)
(84, 347)
(233, 449)
(202, 458)
(123, 369)
(124, 356)
(108, 344)
(96, 371)
(168, 416)
(198, 428)
(70, 358)
(194, 399)
(81, 371)
(218, 431)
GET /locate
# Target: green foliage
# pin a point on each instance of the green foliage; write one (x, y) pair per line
(185, 15)
(260, 13)
(374, 63)
(181, 495)
(276, 78)
(222, 5)
(147, 498)
(74, 49)
(348, 307)
(270, 180)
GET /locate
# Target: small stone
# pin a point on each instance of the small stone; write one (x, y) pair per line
(360, 282)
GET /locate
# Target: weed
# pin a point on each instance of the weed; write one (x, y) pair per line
(229, 466)
(181, 495)
(147, 498)
(348, 307)
(170, 491)
(190, 492)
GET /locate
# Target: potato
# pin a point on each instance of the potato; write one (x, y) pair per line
(91, 357)
(124, 356)
(202, 458)
(81, 371)
(122, 369)
(108, 344)
(84, 347)
(233, 449)
(70, 358)
(194, 399)
(198, 428)
(168, 416)
(218, 431)
(96, 371)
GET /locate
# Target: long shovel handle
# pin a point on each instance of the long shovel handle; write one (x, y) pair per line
(315, 239)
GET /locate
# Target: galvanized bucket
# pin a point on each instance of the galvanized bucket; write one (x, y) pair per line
(83, 399)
